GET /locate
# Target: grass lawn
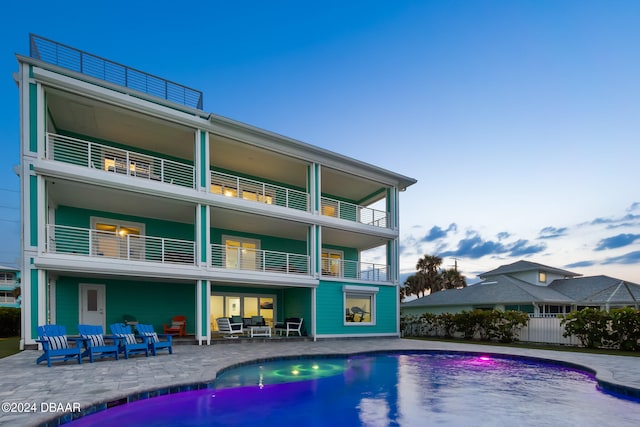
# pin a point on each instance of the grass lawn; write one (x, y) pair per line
(539, 346)
(9, 346)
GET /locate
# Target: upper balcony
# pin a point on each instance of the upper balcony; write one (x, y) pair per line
(119, 161)
(96, 67)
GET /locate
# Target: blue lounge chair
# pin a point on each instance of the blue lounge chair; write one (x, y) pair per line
(153, 339)
(55, 344)
(129, 343)
(94, 341)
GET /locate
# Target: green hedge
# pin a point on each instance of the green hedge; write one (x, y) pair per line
(485, 325)
(618, 329)
(9, 322)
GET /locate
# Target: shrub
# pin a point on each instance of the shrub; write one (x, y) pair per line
(9, 322)
(447, 324)
(625, 328)
(590, 326)
(506, 323)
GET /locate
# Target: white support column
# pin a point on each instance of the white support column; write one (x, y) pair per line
(313, 313)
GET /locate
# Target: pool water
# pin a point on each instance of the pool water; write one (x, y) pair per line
(421, 389)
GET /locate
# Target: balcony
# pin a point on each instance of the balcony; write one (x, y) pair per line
(130, 247)
(261, 192)
(243, 259)
(365, 271)
(118, 161)
(356, 213)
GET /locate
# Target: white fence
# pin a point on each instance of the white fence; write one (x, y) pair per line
(545, 330)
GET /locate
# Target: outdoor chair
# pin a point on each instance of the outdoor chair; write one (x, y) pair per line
(55, 345)
(228, 329)
(291, 324)
(178, 326)
(95, 342)
(152, 339)
(129, 343)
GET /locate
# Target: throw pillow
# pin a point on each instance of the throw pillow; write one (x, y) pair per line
(94, 340)
(58, 343)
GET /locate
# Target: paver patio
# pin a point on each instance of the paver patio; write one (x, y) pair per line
(108, 380)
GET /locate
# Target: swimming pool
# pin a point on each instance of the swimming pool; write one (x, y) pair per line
(389, 389)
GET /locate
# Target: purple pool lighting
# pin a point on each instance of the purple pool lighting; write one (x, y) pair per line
(415, 389)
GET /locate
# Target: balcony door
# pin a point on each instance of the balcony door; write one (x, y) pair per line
(115, 239)
(241, 254)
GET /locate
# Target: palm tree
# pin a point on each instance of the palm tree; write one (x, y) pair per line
(452, 279)
(428, 265)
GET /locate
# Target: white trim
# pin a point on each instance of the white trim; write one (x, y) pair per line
(361, 289)
(362, 335)
(364, 292)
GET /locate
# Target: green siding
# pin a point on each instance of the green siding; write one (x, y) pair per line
(203, 307)
(35, 297)
(330, 311)
(203, 234)
(525, 308)
(33, 210)
(33, 118)
(149, 302)
(203, 159)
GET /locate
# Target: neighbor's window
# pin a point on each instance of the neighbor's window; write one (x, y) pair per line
(542, 277)
(359, 304)
(7, 278)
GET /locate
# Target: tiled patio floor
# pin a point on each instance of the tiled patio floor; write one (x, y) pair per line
(23, 381)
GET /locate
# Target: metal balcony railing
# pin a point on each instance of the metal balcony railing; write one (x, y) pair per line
(365, 271)
(248, 189)
(94, 66)
(63, 239)
(237, 258)
(352, 212)
(110, 159)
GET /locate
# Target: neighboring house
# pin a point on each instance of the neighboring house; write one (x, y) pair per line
(136, 202)
(9, 286)
(532, 288)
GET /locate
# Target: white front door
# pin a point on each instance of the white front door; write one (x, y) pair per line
(92, 305)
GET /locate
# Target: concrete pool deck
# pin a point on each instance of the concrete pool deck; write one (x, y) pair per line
(67, 385)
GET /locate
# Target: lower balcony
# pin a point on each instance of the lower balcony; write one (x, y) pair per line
(258, 260)
(119, 245)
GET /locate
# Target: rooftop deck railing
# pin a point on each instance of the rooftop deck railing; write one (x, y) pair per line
(115, 160)
(365, 271)
(248, 189)
(237, 258)
(94, 66)
(352, 212)
(63, 239)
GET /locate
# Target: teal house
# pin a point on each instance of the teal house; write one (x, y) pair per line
(138, 203)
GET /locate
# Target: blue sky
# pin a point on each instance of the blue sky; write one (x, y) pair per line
(520, 119)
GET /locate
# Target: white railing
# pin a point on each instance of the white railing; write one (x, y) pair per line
(248, 189)
(365, 271)
(7, 299)
(236, 258)
(115, 160)
(352, 212)
(105, 244)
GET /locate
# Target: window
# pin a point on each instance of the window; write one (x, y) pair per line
(332, 262)
(359, 305)
(7, 278)
(254, 194)
(244, 306)
(137, 165)
(117, 240)
(7, 297)
(542, 277)
(241, 254)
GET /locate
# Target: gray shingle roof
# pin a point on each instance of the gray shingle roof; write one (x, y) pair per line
(499, 290)
(598, 290)
(522, 266)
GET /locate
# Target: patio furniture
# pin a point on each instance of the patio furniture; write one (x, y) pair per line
(259, 331)
(178, 326)
(291, 324)
(55, 345)
(153, 340)
(228, 329)
(95, 342)
(129, 343)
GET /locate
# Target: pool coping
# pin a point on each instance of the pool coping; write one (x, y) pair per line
(608, 385)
